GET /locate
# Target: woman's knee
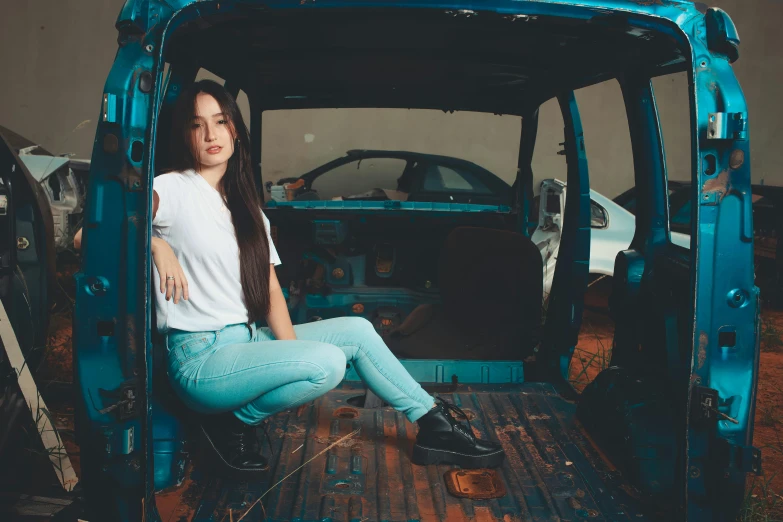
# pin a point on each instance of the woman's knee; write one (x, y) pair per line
(332, 362)
(357, 326)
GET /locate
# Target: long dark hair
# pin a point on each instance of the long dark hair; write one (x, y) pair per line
(236, 186)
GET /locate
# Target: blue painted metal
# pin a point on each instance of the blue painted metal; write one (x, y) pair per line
(113, 284)
(723, 246)
(722, 35)
(389, 206)
(566, 301)
(466, 372)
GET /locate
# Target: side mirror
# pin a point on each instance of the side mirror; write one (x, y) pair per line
(722, 36)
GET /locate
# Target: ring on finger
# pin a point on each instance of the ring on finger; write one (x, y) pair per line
(170, 278)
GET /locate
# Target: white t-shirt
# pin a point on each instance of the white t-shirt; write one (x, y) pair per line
(193, 219)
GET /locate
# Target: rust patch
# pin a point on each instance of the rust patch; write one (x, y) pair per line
(483, 514)
(130, 323)
(180, 502)
(702, 355)
(719, 183)
(737, 159)
(503, 434)
(110, 144)
(347, 443)
(346, 413)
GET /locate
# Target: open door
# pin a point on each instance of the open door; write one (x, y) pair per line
(551, 203)
(27, 254)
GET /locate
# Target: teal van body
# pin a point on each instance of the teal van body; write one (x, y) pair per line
(674, 412)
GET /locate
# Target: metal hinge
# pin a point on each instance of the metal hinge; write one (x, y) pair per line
(109, 108)
(745, 459)
(727, 126)
(119, 441)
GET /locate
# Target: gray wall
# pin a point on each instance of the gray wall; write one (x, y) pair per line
(56, 54)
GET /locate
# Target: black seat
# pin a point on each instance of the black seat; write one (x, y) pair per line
(491, 284)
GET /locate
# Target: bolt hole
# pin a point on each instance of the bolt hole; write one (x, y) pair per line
(710, 163)
(137, 149)
(703, 64)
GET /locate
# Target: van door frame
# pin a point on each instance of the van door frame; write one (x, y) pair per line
(725, 348)
(566, 299)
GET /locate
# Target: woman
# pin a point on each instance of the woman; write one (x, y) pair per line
(215, 269)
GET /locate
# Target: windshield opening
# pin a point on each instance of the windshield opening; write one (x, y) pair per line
(389, 154)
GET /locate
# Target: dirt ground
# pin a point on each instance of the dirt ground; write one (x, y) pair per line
(592, 355)
(768, 433)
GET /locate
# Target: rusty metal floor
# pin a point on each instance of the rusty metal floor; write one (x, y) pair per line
(550, 473)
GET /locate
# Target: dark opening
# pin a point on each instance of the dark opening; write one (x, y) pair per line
(727, 339)
(709, 164)
(54, 184)
(137, 150)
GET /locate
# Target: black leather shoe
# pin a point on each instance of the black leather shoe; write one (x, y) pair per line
(443, 440)
(231, 448)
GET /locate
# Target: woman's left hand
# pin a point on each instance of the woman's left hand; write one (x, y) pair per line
(172, 279)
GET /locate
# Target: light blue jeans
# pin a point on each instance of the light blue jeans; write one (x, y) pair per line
(243, 369)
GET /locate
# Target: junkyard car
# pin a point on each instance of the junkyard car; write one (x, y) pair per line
(62, 180)
(27, 248)
(612, 230)
(413, 177)
(455, 286)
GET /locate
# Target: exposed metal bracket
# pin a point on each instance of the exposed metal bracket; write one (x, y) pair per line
(119, 441)
(710, 198)
(745, 459)
(727, 126)
(109, 108)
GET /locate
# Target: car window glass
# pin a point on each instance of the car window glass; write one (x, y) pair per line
(597, 216)
(440, 178)
(359, 177)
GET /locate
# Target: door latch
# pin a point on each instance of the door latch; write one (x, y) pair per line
(125, 400)
(704, 407)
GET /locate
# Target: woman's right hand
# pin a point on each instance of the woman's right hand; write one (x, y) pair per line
(172, 279)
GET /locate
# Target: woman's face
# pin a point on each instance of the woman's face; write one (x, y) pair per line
(211, 133)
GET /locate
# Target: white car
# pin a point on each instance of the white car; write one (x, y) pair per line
(612, 229)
